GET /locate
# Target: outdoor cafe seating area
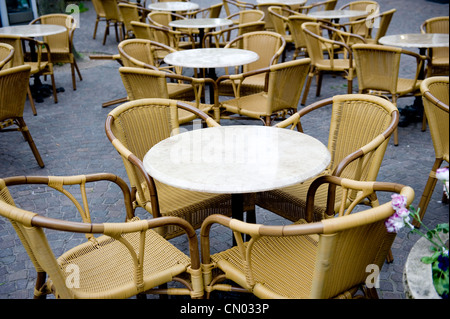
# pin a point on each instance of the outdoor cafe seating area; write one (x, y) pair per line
(222, 150)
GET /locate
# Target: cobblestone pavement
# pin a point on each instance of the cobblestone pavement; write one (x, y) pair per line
(71, 138)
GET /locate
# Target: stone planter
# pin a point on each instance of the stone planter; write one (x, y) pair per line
(417, 276)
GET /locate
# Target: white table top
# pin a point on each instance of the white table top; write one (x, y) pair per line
(33, 30)
(236, 159)
(288, 2)
(211, 58)
(338, 14)
(416, 40)
(200, 23)
(173, 6)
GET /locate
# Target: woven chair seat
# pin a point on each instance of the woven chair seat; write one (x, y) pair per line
(405, 86)
(254, 105)
(338, 65)
(289, 274)
(250, 85)
(289, 202)
(189, 205)
(118, 277)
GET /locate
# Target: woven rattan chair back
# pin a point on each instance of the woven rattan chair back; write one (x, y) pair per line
(384, 21)
(281, 97)
(435, 96)
(439, 56)
(318, 6)
(231, 6)
(138, 52)
(268, 45)
(6, 55)
(14, 84)
(298, 37)
(100, 15)
(129, 12)
(112, 15)
(264, 7)
(14, 41)
(157, 119)
(360, 129)
(61, 44)
(127, 259)
(247, 16)
(325, 259)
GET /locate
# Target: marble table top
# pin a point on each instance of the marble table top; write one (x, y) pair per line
(33, 30)
(173, 6)
(211, 58)
(288, 2)
(416, 40)
(200, 23)
(236, 159)
(338, 14)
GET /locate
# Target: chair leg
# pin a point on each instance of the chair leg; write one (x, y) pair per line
(74, 84)
(55, 96)
(319, 83)
(30, 97)
(308, 85)
(95, 28)
(396, 137)
(40, 282)
(428, 191)
(424, 122)
(106, 32)
(26, 134)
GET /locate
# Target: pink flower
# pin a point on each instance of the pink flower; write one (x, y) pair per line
(398, 201)
(402, 212)
(394, 223)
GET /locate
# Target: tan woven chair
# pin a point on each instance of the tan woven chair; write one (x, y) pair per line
(247, 16)
(157, 119)
(232, 5)
(40, 65)
(143, 83)
(129, 12)
(113, 17)
(360, 128)
(320, 260)
(117, 259)
(380, 21)
(318, 6)
(280, 20)
(269, 46)
(435, 95)
(13, 92)
(284, 84)
(211, 12)
(166, 36)
(6, 55)
(220, 38)
(100, 15)
(340, 64)
(439, 64)
(61, 45)
(264, 7)
(377, 69)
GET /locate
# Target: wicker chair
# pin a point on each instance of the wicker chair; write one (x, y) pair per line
(143, 83)
(284, 84)
(246, 16)
(129, 12)
(157, 119)
(435, 95)
(377, 69)
(100, 15)
(6, 55)
(61, 45)
(280, 20)
(127, 258)
(236, 5)
(360, 128)
(166, 36)
(269, 46)
(264, 7)
(40, 65)
(381, 21)
(320, 260)
(338, 43)
(439, 64)
(211, 12)
(220, 38)
(112, 16)
(318, 6)
(13, 92)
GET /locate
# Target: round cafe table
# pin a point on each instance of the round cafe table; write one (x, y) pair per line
(33, 30)
(338, 14)
(174, 6)
(201, 24)
(237, 160)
